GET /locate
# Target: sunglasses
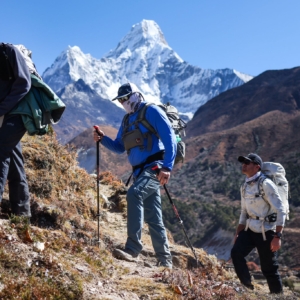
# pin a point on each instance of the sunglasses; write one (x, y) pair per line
(248, 162)
(123, 99)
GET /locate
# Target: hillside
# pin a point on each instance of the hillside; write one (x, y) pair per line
(58, 256)
(84, 108)
(210, 179)
(86, 153)
(260, 116)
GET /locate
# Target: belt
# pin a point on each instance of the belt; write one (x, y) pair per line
(150, 159)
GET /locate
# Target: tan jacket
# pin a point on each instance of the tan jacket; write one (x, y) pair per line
(261, 207)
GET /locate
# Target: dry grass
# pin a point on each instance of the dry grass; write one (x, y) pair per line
(64, 207)
(145, 286)
(63, 199)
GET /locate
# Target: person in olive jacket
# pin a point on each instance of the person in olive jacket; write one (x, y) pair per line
(15, 83)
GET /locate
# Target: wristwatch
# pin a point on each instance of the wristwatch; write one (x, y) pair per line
(278, 235)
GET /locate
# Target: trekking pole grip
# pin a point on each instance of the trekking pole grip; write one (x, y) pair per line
(97, 129)
(97, 145)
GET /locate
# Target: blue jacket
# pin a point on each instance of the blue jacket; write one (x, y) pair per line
(167, 142)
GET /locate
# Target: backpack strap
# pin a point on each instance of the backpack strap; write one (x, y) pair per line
(142, 119)
(243, 188)
(261, 193)
(125, 122)
(260, 188)
(126, 125)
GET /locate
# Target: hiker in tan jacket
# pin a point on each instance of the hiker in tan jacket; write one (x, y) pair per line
(260, 225)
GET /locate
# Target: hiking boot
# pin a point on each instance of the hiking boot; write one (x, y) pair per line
(126, 254)
(164, 264)
(277, 292)
(249, 286)
(130, 252)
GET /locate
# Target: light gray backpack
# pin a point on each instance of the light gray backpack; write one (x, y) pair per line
(276, 172)
(27, 56)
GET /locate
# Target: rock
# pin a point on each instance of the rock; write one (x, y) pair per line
(38, 246)
(146, 264)
(80, 268)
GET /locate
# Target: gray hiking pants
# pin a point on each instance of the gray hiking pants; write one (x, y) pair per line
(144, 203)
(12, 165)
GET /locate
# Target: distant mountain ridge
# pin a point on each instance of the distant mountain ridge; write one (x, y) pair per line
(276, 90)
(143, 57)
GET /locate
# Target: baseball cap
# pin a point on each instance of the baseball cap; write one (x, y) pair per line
(251, 157)
(126, 89)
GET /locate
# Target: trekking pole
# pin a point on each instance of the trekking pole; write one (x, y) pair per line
(181, 223)
(98, 182)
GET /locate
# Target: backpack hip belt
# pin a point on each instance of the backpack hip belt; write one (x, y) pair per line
(269, 218)
(152, 158)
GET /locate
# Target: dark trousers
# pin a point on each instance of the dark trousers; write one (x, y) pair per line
(245, 243)
(12, 165)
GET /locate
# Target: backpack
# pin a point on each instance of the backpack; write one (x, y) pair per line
(177, 124)
(40, 106)
(27, 57)
(276, 173)
(6, 71)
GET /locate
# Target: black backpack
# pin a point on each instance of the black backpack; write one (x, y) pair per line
(6, 71)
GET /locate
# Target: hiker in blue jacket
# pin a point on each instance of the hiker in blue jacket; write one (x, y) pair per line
(15, 83)
(145, 152)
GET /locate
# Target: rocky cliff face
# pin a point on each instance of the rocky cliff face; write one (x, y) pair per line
(84, 108)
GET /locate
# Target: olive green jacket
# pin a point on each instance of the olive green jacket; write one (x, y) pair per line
(39, 107)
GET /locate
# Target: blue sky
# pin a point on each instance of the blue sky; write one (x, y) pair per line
(249, 36)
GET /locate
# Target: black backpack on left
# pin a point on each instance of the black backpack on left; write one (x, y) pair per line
(6, 71)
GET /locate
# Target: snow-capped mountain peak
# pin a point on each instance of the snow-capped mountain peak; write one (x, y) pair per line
(147, 33)
(143, 57)
(242, 76)
(71, 65)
